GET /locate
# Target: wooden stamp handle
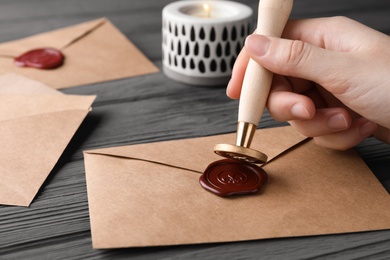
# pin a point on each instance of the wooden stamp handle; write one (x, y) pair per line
(272, 18)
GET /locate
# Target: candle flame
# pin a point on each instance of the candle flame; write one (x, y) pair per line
(206, 8)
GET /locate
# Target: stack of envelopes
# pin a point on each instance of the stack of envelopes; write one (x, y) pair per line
(36, 124)
(36, 121)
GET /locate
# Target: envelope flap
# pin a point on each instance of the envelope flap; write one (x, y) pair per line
(57, 38)
(14, 106)
(196, 153)
(30, 147)
(12, 83)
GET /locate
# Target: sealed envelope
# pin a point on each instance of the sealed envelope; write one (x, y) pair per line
(94, 51)
(149, 194)
(35, 128)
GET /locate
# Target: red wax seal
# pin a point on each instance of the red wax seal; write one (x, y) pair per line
(44, 58)
(231, 177)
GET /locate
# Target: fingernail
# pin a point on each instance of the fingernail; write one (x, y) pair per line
(367, 128)
(227, 89)
(257, 44)
(298, 110)
(337, 121)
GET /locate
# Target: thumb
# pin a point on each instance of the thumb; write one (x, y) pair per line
(298, 59)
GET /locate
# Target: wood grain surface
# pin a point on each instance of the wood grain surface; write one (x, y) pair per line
(154, 108)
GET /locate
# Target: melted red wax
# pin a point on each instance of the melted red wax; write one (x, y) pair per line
(230, 177)
(43, 58)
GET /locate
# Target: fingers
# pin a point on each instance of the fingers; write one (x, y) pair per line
(330, 127)
(316, 32)
(284, 105)
(316, 54)
(325, 122)
(301, 60)
(360, 129)
(332, 33)
(233, 89)
(334, 128)
(320, 31)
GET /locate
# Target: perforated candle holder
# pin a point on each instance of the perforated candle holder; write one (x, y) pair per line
(201, 40)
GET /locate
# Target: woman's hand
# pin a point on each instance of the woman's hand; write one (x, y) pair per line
(331, 82)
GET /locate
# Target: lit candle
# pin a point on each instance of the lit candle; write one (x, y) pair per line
(214, 9)
(202, 40)
(206, 9)
(202, 11)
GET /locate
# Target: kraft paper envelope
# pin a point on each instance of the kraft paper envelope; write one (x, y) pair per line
(17, 84)
(149, 195)
(35, 128)
(94, 51)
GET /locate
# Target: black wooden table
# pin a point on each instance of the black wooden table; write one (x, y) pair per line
(154, 108)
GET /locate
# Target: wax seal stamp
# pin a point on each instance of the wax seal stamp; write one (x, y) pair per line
(231, 177)
(241, 151)
(271, 20)
(43, 58)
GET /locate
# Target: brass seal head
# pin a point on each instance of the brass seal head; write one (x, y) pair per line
(241, 151)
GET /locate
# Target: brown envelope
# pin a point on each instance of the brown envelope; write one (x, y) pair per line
(149, 195)
(35, 128)
(94, 51)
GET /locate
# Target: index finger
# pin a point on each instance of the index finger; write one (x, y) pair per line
(233, 89)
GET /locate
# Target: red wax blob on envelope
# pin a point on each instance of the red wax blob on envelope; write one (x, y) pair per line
(43, 58)
(230, 177)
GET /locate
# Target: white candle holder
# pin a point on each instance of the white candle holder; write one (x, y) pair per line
(201, 42)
